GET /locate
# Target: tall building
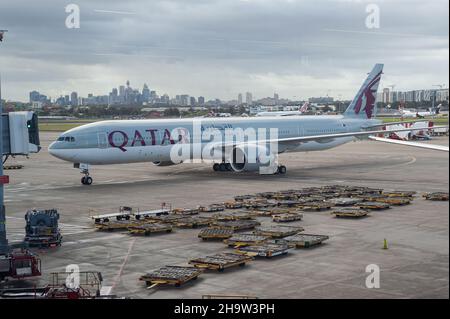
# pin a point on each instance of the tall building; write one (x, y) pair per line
(249, 98)
(165, 99)
(122, 94)
(201, 100)
(184, 100)
(145, 93)
(34, 96)
(276, 97)
(74, 99)
(386, 95)
(193, 102)
(240, 100)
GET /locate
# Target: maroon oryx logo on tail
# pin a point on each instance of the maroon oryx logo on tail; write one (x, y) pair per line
(366, 100)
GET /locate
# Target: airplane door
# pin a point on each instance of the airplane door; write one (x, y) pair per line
(102, 140)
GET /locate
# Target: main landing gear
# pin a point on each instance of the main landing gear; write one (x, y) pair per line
(226, 167)
(222, 167)
(282, 169)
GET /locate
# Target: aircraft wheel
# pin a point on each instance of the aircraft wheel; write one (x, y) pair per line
(222, 167)
(88, 180)
(83, 180)
(282, 170)
(216, 167)
(229, 167)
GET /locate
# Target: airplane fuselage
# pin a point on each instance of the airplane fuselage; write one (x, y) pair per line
(132, 141)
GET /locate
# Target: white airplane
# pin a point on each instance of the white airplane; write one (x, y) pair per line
(421, 114)
(300, 111)
(233, 144)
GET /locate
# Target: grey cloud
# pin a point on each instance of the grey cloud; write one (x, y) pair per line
(218, 48)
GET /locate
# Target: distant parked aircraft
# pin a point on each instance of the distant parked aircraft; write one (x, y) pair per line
(300, 111)
(422, 114)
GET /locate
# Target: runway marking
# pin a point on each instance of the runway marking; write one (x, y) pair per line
(122, 267)
(91, 240)
(412, 161)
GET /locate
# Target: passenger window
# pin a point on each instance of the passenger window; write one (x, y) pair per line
(60, 139)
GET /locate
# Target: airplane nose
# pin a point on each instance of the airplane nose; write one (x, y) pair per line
(54, 150)
(51, 148)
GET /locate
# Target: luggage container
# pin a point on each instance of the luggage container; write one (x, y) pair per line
(399, 193)
(185, 211)
(233, 205)
(215, 233)
(118, 225)
(245, 240)
(278, 231)
(211, 208)
(350, 212)
(305, 240)
(193, 222)
(148, 229)
(344, 201)
(220, 262)
(170, 275)
(267, 250)
(237, 225)
(315, 206)
(286, 218)
(373, 205)
(240, 215)
(437, 196)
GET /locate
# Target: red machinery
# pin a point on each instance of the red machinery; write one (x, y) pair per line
(20, 264)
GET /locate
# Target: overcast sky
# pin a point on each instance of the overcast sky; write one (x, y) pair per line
(218, 48)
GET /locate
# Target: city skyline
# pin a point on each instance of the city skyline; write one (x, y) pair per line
(222, 47)
(127, 95)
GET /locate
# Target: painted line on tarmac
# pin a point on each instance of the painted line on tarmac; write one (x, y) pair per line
(122, 267)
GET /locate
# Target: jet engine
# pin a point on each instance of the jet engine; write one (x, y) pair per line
(251, 158)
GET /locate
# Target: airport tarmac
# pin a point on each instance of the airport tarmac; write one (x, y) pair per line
(416, 265)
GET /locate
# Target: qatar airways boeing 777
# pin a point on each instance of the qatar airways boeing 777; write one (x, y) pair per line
(233, 144)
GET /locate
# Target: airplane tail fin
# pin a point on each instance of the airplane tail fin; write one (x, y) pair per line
(304, 107)
(363, 105)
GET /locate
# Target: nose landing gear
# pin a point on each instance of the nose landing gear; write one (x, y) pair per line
(86, 180)
(84, 168)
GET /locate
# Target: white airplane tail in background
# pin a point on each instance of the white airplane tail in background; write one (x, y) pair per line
(363, 105)
(304, 107)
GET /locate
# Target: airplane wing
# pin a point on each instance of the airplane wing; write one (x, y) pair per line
(413, 144)
(399, 123)
(301, 139)
(338, 135)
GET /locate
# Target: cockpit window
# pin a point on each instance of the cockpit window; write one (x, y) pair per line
(66, 139)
